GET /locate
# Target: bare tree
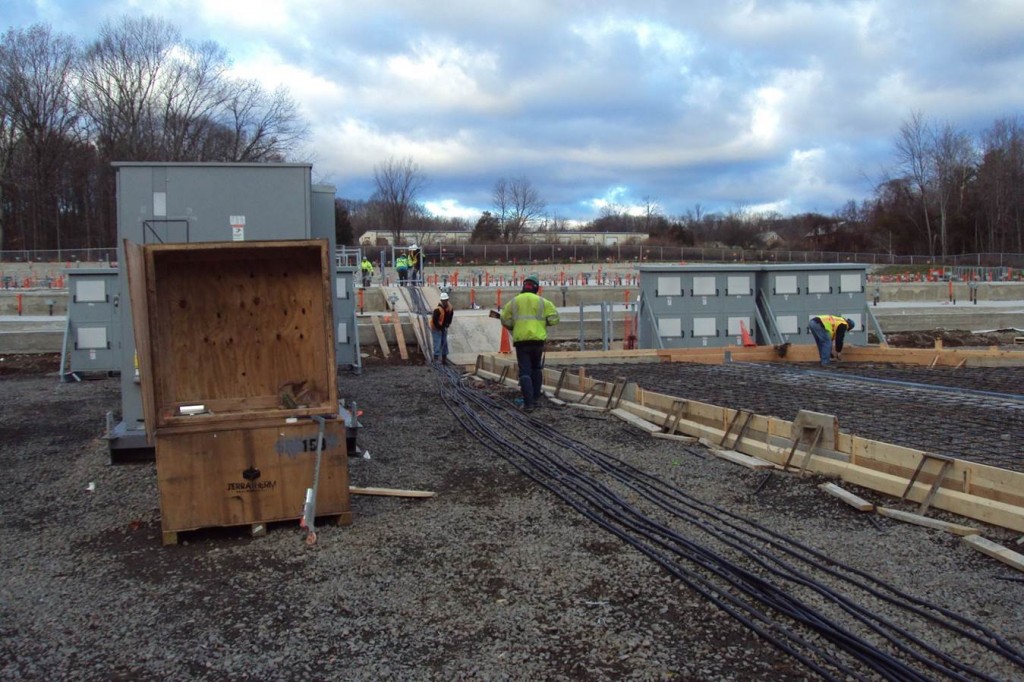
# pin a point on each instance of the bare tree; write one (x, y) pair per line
(1001, 183)
(913, 152)
(952, 161)
(121, 78)
(398, 185)
(37, 68)
(263, 127)
(517, 203)
(651, 211)
(7, 140)
(194, 93)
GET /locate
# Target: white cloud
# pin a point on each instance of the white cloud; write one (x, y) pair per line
(452, 208)
(737, 103)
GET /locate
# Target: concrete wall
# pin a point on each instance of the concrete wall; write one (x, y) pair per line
(35, 301)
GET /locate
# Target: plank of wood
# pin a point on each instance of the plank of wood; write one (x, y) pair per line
(586, 408)
(742, 460)
(390, 492)
(400, 338)
(855, 501)
(675, 437)
(918, 520)
(633, 420)
(996, 551)
(381, 339)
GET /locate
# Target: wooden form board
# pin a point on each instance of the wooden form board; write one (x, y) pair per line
(229, 477)
(808, 353)
(802, 353)
(381, 339)
(233, 326)
(403, 351)
(918, 520)
(977, 491)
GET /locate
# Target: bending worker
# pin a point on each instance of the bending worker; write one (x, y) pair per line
(829, 332)
(440, 320)
(528, 317)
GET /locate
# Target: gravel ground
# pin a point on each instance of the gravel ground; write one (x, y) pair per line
(493, 579)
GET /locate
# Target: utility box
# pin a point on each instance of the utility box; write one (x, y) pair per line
(93, 342)
(346, 333)
(692, 306)
(238, 380)
(179, 203)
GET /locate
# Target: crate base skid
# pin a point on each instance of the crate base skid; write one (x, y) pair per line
(250, 474)
(260, 529)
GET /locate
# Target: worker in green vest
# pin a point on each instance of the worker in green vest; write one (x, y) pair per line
(528, 317)
(367, 267)
(829, 332)
(402, 265)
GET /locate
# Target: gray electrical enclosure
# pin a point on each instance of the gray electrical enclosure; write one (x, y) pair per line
(694, 306)
(212, 202)
(93, 342)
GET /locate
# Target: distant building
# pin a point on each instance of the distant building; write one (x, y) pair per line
(375, 237)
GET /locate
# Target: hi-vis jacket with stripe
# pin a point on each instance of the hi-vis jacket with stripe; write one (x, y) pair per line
(831, 323)
(528, 316)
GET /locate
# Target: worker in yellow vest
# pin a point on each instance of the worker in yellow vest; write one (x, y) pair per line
(528, 317)
(829, 332)
(415, 266)
(367, 268)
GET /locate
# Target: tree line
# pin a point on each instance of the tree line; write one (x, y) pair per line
(947, 192)
(140, 92)
(137, 92)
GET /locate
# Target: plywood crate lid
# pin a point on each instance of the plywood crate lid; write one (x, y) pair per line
(233, 330)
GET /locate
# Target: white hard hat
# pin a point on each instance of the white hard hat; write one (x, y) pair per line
(444, 295)
(414, 248)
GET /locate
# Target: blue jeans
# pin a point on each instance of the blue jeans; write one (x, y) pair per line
(823, 340)
(440, 343)
(530, 358)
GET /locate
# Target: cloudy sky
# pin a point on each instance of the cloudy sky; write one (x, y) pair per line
(787, 106)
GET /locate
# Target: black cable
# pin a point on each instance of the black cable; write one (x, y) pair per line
(600, 498)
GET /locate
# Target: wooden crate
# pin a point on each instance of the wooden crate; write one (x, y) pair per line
(249, 475)
(234, 330)
(236, 355)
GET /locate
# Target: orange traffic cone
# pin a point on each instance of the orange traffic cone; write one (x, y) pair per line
(747, 341)
(506, 341)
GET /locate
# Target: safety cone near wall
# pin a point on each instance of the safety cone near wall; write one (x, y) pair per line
(747, 341)
(506, 341)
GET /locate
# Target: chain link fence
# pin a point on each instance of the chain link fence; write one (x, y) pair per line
(540, 254)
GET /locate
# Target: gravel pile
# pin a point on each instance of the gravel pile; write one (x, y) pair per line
(493, 579)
